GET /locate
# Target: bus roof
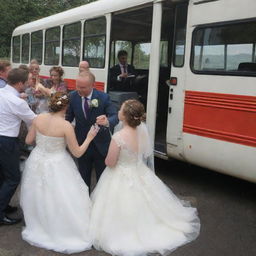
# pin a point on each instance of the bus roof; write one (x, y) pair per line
(88, 11)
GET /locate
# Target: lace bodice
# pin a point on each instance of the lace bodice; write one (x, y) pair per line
(127, 157)
(48, 144)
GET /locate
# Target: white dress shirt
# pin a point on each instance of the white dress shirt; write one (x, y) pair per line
(13, 110)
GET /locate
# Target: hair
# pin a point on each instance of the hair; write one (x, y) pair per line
(25, 67)
(4, 64)
(134, 112)
(88, 74)
(17, 75)
(59, 70)
(58, 101)
(33, 61)
(122, 53)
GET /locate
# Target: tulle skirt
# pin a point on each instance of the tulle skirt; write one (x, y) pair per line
(135, 214)
(55, 203)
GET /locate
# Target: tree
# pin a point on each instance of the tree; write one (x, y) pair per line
(17, 12)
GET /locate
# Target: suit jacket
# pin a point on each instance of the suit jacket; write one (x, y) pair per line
(83, 125)
(125, 84)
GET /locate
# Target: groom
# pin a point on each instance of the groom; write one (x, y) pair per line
(89, 106)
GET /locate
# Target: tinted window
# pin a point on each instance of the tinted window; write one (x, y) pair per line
(52, 46)
(228, 48)
(141, 55)
(94, 42)
(16, 49)
(71, 44)
(25, 49)
(37, 46)
(180, 36)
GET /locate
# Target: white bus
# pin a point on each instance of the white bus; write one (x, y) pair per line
(205, 113)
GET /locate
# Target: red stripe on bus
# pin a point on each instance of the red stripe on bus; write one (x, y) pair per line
(220, 116)
(71, 83)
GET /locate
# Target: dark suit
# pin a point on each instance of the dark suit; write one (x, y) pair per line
(97, 150)
(124, 84)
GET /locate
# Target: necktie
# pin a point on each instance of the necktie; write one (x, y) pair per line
(124, 68)
(86, 106)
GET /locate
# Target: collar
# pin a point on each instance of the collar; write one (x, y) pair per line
(88, 97)
(12, 90)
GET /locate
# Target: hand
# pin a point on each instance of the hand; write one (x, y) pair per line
(102, 120)
(23, 96)
(93, 132)
(124, 75)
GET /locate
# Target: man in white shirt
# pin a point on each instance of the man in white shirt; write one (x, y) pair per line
(5, 67)
(13, 110)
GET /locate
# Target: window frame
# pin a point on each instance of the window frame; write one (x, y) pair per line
(95, 35)
(52, 41)
(218, 72)
(63, 41)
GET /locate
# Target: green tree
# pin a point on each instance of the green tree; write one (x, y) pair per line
(17, 12)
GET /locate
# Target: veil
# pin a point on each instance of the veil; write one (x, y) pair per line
(145, 151)
(145, 148)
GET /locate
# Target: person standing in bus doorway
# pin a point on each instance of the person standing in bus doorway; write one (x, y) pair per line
(13, 109)
(122, 75)
(89, 106)
(5, 67)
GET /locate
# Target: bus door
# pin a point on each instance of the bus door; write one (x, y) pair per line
(176, 83)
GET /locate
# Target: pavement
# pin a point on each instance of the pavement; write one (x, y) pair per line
(226, 206)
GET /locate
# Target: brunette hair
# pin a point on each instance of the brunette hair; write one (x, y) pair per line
(17, 75)
(58, 101)
(134, 112)
(59, 70)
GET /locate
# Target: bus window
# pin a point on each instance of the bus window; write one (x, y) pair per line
(25, 49)
(225, 49)
(180, 36)
(71, 44)
(94, 42)
(116, 46)
(37, 46)
(52, 46)
(16, 49)
(141, 56)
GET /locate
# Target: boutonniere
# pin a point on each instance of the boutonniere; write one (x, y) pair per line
(94, 103)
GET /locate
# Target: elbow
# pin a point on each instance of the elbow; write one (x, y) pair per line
(110, 163)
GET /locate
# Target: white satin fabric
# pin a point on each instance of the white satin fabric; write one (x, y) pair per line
(134, 213)
(54, 199)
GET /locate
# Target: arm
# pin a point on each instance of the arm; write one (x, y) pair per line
(43, 90)
(113, 154)
(73, 146)
(30, 138)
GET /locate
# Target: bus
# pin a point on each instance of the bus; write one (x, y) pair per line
(196, 66)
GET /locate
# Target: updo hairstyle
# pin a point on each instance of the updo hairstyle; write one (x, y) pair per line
(58, 101)
(134, 112)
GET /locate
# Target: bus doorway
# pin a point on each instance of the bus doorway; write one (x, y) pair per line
(131, 31)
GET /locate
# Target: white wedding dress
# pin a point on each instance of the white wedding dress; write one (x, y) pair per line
(135, 214)
(54, 199)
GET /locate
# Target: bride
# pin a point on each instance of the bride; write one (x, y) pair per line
(134, 213)
(54, 197)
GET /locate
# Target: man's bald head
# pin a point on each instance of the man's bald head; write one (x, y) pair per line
(85, 83)
(84, 66)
